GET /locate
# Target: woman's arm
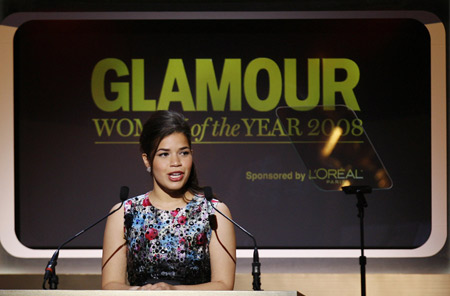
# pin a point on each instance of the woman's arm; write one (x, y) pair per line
(223, 251)
(114, 260)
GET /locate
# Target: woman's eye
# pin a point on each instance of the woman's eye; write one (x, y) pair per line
(163, 154)
(185, 152)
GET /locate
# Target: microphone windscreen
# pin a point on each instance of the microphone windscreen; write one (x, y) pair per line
(124, 193)
(213, 221)
(208, 193)
(128, 220)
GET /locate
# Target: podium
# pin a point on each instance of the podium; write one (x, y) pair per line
(149, 293)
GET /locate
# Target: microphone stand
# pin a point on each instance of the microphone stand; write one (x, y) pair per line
(256, 265)
(361, 204)
(50, 269)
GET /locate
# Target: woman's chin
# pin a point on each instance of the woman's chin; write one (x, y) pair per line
(175, 189)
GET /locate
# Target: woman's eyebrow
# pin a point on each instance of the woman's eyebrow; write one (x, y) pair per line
(163, 149)
(167, 149)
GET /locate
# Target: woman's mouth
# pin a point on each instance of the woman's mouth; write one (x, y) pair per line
(176, 176)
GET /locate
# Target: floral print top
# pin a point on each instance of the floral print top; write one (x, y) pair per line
(167, 246)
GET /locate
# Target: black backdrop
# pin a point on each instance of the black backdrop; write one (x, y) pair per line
(65, 170)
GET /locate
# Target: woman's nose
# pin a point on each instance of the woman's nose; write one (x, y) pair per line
(175, 161)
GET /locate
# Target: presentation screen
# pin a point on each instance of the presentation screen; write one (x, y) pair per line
(283, 113)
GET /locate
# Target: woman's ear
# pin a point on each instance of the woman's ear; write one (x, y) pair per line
(146, 160)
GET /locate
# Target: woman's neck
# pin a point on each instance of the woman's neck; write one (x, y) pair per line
(169, 200)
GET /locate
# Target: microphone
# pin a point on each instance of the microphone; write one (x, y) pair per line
(50, 270)
(128, 220)
(256, 265)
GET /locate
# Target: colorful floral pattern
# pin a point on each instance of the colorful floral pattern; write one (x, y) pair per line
(168, 246)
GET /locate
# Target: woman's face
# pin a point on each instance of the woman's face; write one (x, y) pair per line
(172, 164)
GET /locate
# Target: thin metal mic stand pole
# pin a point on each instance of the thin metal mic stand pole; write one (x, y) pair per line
(50, 269)
(361, 204)
(256, 265)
